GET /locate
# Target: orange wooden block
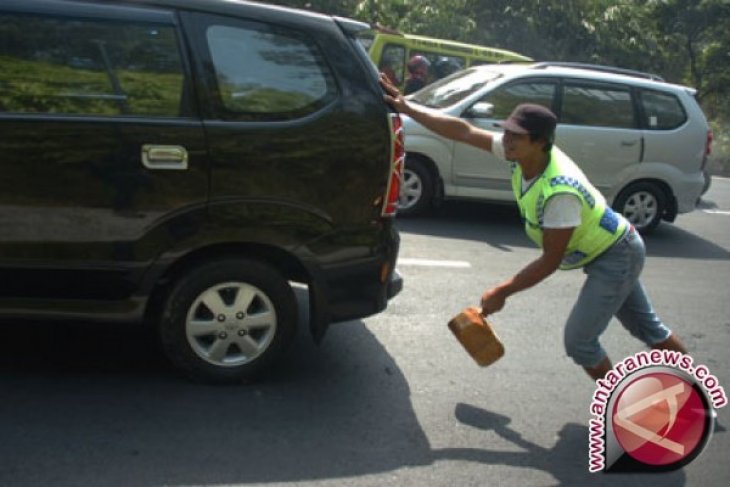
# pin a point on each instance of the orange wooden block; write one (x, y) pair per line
(477, 336)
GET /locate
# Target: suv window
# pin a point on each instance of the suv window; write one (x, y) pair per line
(506, 98)
(662, 111)
(441, 65)
(393, 63)
(597, 105)
(451, 90)
(266, 74)
(75, 66)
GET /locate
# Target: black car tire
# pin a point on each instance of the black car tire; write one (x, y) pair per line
(708, 182)
(227, 321)
(417, 189)
(643, 204)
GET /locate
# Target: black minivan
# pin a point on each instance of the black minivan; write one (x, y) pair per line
(184, 163)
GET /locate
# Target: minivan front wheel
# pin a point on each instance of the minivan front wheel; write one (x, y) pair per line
(416, 192)
(643, 205)
(227, 321)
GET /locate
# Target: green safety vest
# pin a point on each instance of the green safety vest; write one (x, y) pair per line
(600, 226)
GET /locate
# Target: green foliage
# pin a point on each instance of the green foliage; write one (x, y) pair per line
(436, 19)
(45, 87)
(344, 8)
(59, 89)
(262, 100)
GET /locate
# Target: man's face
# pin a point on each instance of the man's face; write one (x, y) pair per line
(519, 146)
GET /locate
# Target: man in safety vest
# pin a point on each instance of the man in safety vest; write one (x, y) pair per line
(570, 221)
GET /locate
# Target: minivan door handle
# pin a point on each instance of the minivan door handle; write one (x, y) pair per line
(628, 143)
(166, 157)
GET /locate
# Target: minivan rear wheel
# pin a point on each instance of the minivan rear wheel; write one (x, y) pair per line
(643, 205)
(227, 321)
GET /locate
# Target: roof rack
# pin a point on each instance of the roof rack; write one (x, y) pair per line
(599, 67)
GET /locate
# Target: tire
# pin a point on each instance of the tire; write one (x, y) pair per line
(643, 204)
(227, 321)
(416, 192)
(708, 182)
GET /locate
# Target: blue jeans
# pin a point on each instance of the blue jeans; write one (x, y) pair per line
(612, 289)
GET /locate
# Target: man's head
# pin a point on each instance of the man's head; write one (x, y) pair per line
(418, 65)
(534, 120)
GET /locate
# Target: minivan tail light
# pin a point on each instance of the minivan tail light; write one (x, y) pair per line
(708, 146)
(398, 156)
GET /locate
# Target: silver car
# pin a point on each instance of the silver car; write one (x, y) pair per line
(641, 141)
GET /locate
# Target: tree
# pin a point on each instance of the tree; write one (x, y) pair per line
(544, 29)
(695, 33)
(443, 19)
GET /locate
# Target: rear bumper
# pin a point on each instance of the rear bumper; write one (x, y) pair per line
(688, 190)
(352, 290)
(395, 284)
(361, 293)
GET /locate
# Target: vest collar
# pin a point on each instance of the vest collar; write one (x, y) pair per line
(537, 178)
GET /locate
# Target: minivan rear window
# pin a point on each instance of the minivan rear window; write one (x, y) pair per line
(268, 74)
(662, 111)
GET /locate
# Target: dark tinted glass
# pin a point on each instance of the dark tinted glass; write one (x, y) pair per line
(598, 106)
(393, 63)
(77, 66)
(662, 111)
(440, 66)
(506, 98)
(265, 74)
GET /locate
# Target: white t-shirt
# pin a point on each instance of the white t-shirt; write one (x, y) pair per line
(561, 211)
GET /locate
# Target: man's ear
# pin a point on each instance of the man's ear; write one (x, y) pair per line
(549, 141)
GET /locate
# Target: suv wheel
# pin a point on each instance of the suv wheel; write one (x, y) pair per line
(417, 190)
(643, 205)
(228, 320)
(708, 181)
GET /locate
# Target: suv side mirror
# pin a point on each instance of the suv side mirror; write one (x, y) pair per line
(480, 109)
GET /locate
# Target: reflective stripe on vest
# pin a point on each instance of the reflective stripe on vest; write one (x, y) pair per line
(600, 226)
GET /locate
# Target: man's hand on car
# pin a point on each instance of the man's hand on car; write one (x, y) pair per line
(393, 95)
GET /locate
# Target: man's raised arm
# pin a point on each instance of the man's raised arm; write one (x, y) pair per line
(444, 125)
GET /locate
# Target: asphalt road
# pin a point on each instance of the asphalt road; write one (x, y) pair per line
(389, 400)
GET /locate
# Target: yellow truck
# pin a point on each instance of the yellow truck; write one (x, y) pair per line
(392, 51)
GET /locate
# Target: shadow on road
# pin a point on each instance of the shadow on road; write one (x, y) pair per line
(567, 461)
(499, 226)
(671, 241)
(96, 405)
(91, 404)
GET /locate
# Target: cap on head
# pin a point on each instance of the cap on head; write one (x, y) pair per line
(529, 118)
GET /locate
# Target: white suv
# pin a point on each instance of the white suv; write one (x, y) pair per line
(641, 141)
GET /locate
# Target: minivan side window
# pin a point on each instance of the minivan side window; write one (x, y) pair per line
(267, 74)
(597, 105)
(81, 67)
(506, 98)
(662, 111)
